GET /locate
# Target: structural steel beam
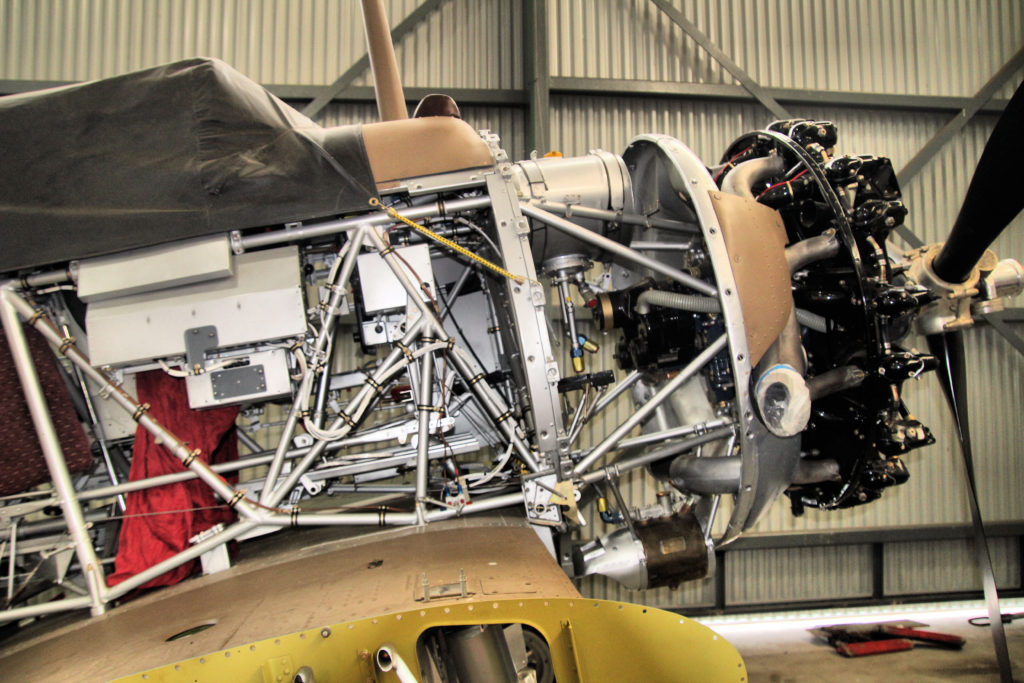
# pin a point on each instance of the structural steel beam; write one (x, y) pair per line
(1000, 320)
(948, 131)
(909, 534)
(363, 94)
(611, 87)
(957, 123)
(724, 92)
(537, 74)
(725, 60)
(363, 63)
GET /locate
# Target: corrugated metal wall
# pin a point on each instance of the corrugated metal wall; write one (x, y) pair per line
(308, 42)
(915, 47)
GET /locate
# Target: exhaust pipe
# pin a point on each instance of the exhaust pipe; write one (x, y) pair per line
(387, 83)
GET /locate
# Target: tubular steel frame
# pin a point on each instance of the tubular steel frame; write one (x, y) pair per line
(424, 337)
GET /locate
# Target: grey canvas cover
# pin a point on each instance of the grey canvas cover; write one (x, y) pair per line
(183, 150)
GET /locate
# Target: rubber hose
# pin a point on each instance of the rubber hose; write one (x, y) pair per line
(816, 322)
(683, 302)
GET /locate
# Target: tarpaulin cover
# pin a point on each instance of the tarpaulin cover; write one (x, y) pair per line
(183, 150)
(159, 521)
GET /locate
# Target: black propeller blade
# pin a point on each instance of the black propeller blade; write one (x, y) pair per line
(948, 347)
(993, 198)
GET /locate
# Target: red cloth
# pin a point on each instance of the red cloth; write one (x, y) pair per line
(148, 538)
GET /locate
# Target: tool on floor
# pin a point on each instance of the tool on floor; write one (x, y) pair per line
(860, 640)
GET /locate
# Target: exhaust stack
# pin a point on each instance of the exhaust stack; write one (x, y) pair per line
(387, 82)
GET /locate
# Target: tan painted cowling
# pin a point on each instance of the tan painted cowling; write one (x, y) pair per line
(756, 240)
(417, 147)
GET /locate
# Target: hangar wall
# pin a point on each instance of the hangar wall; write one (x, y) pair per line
(908, 47)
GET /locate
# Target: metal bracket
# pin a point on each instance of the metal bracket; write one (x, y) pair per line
(542, 499)
(443, 590)
(199, 340)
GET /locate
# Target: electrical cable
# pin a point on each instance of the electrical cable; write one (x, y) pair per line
(1006, 619)
(520, 279)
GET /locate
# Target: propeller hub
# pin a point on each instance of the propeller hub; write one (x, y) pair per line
(955, 302)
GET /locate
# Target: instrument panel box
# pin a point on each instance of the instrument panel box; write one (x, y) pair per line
(261, 301)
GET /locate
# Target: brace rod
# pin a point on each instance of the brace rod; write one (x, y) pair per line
(725, 60)
(614, 247)
(610, 441)
(306, 232)
(49, 442)
(129, 404)
(339, 284)
(465, 366)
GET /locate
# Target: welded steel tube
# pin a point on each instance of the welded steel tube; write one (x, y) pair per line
(129, 404)
(190, 553)
(18, 613)
(348, 265)
(426, 399)
(49, 443)
(384, 517)
(610, 441)
(304, 464)
(569, 210)
(463, 364)
(306, 232)
(673, 433)
(628, 381)
(614, 247)
(101, 438)
(50, 277)
(667, 451)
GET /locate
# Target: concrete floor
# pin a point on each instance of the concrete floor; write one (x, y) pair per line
(779, 648)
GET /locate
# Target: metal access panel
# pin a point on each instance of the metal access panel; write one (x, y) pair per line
(262, 301)
(154, 268)
(381, 289)
(262, 375)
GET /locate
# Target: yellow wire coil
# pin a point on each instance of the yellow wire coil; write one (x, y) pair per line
(447, 242)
